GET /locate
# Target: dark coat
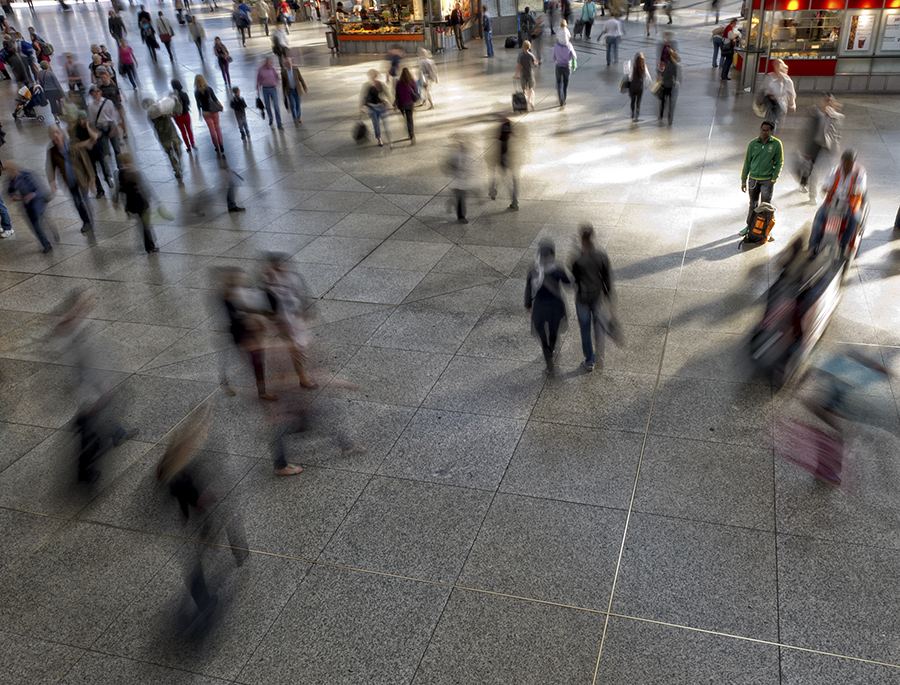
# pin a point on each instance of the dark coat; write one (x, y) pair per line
(547, 305)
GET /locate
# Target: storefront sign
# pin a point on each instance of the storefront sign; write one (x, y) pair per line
(859, 32)
(890, 40)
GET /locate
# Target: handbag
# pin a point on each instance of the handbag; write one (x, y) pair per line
(229, 58)
(214, 105)
(655, 87)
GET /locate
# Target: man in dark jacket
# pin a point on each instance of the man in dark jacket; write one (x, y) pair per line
(74, 167)
(593, 295)
(456, 22)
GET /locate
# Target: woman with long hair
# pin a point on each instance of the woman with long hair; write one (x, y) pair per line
(221, 53)
(407, 94)
(638, 79)
(209, 107)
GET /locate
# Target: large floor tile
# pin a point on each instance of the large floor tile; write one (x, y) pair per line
(701, 575)
(389, 376)
(834, 597)
(94, 668)
(653, 654)
(542, 549)
(575, 464)
(702, 481)
(454, 448)
(426, 330)
(343, 626)
(409, 528)
(483, 638)
(72, 588)
(718, 411)
(799, 667)
(25, 660)
(496, 387)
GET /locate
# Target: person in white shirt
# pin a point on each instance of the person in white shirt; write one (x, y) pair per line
(844, 187)
(166, 33)
(780, 96)
(613, 31)
(104, 116)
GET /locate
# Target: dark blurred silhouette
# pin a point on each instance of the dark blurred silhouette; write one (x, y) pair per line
(505, 165)
(544, 300)
(594, 298)
(93, 390)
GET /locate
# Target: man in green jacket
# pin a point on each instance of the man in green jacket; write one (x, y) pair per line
(762, 164)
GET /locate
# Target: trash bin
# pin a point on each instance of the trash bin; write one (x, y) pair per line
(331, 40)
(437, 39)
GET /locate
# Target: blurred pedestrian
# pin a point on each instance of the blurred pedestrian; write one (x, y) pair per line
(24, 187)
(537, 37)
(487, 32)
(106, 119)
(148, 35)
(588, 12)
(113, 93)
(177, 468)
(729, 42)
(292, 86)
(459, 166)
(778, 93)
(209, 107)
(264, 12)
(525, 65)
(160, 116)
(245, 325)
(231, 180)
(669, 79)
(128, 62)
(224, 59)
(375, 101)
(822, 136)
(565, 59)
(544, 300)
(428, 76)
(638, 81)
(183, 120)
(504, 165)
(72, 165)
(613, 30)
(406, 96)
(197, 34)
(288, 300)
(267, 86)
(86, 137)
(239, 107)
(130, 185)
(456, 23)
(650, 9)
(117, 27)
(593, 298)
(166, 33)
(93, 387)
(53, 90)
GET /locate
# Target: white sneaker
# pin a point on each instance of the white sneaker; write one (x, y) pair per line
(7, 234)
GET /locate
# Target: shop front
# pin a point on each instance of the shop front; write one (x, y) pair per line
(373, 26)
(828, 45)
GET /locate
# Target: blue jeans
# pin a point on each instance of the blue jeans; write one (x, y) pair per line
(489, 43)
(35, 210)
(717, 45)
(612, 49)
(377, 114)
(562, 83)
(5, 221)
(294, 100)
(590, 323)
(270, 97)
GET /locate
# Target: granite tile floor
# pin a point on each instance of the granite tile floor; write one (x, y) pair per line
(631, 525)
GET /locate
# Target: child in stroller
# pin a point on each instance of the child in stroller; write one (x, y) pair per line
(26, 100)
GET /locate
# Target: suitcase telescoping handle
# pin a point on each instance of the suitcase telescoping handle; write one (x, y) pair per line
(517, 82)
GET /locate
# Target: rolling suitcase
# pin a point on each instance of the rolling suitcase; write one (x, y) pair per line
(519, 103)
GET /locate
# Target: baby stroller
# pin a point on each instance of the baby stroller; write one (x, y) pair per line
(26, 101)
